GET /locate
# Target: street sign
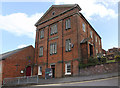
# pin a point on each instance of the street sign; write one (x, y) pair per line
(48, 73)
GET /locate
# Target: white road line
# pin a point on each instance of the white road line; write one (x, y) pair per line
(76, 82)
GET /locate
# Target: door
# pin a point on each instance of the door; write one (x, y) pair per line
(53, 71)
(28, 71)
(91, 50)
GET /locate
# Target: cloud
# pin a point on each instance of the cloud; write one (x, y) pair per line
(21, 46)
(93, 7)
(20, 23)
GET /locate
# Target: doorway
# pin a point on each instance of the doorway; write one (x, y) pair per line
(28, 71)
(91, 50)
(53, 71)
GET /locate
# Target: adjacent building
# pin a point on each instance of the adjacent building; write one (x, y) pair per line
(111, 53)
(64, 38)
(17, 63)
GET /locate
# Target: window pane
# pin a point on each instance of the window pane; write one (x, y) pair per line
(66, 45)
(91, 34)
(83, 26)
(56, 28)
(68, 68)
(68, 23)
(50, 48)
(55, 47)
(41, 51)
(69, 44)
(96, 38)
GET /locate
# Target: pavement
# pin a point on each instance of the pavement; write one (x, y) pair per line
(71, 79)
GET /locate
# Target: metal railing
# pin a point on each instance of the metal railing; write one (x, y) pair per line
(21, 80)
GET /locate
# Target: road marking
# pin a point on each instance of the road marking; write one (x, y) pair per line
(77, 82)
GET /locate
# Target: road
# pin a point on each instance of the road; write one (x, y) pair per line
(99, 82)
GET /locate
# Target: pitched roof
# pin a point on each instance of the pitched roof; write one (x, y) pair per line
(7, 54)
(55, 6)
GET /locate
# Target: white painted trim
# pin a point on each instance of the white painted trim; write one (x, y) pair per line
(66, 69)
(39, 73)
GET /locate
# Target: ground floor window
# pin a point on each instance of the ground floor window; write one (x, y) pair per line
(39, 70)
(67, 68)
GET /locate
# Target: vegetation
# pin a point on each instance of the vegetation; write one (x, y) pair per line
(111, 61)
(117, 58)
(93, 61)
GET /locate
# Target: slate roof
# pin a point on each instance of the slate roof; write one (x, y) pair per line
(7, 54)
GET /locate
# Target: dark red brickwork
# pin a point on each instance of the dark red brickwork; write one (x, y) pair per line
(75, 34)
(22, 58)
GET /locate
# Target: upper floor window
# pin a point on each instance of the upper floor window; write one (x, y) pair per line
(42, 34)
(83, 27)
(91, 34)
(67, 68)
(53, 29)
(68, 45)
(99, 42)
(41, 51)
(53, 13)
(67, 24)
(53, 48)
(96, 38)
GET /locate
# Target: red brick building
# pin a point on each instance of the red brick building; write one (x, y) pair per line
(64, 38)
(17, 63)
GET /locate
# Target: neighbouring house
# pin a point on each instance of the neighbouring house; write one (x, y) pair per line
(17, 63)
(64, 38)
(111, 53)
(104, 52)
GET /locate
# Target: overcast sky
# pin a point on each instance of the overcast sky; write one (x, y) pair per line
(17, 20)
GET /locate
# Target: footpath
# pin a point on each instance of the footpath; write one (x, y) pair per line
(68, 79)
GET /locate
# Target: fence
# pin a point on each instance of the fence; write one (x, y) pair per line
(21, 80)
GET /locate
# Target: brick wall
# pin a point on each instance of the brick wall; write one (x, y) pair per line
(22, 59)
(75, 34)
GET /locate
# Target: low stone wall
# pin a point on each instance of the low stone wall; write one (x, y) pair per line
(99, 69)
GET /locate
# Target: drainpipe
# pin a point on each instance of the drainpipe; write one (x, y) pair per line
(37, 44)
(62, 52)
(78, 43)
(47, 48)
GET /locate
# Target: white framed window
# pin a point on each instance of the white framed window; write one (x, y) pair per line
(96, 51)
(68, 45)
(99, 42)
(42, 34)
(53, 29)
(68, 69)
(91, 34)
(67, 24)
(41, 51)
(39, 70)
(83, 27)
(96, 38)
(53, 48)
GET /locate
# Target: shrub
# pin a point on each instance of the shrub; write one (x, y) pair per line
(91, 62)
(117, 58)
(103, 60)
